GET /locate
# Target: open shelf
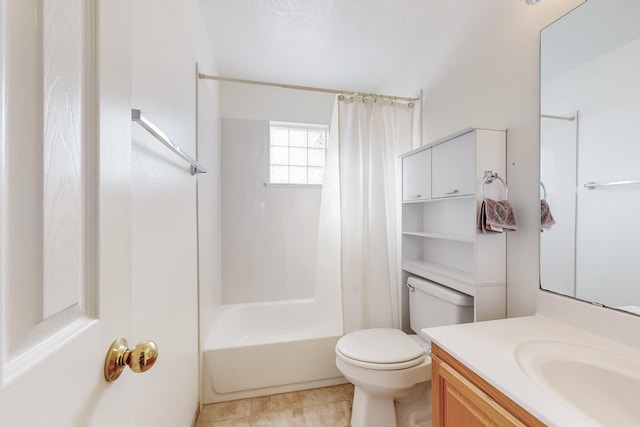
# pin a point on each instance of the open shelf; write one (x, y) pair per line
(454, 278)
(442, 236)
(439, 199)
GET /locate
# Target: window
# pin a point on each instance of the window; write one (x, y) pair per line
(296, 153)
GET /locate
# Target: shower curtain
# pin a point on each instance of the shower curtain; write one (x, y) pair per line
(358, 243)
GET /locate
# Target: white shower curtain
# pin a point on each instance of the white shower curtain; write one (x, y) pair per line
(359, 228)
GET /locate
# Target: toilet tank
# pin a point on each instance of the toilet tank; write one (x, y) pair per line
(431, 304)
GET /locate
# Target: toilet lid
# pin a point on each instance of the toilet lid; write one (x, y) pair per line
(380, 346)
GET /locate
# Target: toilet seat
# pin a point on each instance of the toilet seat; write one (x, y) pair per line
(380, 349)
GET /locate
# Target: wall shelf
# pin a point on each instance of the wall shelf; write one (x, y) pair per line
(443, 236)
(467, 196)
(452, 277)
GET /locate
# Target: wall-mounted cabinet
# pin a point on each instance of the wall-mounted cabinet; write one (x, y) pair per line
(440, 239)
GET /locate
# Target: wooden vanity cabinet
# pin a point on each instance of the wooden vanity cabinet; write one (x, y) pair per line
(462, 398)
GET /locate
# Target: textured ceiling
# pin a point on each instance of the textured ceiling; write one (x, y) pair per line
(339, 44)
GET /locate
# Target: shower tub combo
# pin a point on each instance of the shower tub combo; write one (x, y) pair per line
(257, 349)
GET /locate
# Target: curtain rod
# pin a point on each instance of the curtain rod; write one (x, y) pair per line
(307, 88)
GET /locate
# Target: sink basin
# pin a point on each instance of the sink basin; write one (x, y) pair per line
(603, 384)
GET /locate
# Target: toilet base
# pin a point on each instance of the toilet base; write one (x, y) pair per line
(413, 409)
(371, 410)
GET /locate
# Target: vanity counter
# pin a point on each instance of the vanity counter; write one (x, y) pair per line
(489, 349)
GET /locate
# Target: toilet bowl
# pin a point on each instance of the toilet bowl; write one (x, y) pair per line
(388, 369)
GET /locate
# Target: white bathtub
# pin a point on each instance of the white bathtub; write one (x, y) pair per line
(258, 349)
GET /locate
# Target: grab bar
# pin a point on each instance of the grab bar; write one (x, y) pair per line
(489, 177)
(136, 116)
(593, 185)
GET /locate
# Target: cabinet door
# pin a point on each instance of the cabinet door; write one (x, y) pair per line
(416, 176)
(462, 398)
(454, 167)
(464, 404)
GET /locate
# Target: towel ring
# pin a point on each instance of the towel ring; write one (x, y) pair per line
(489, 177)
(544, 191)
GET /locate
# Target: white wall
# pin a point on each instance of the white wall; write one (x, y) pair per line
(251, 102)
(269, 234)
(209, 201)
(483, 70)
(167, 41)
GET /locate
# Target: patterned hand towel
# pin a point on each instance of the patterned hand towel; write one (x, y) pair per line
(496, 216)
(546, 219)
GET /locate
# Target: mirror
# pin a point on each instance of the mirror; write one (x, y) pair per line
(590, 154)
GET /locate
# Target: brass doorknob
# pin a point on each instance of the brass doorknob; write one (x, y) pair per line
(139, 358)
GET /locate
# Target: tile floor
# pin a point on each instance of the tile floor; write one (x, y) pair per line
(319, 407)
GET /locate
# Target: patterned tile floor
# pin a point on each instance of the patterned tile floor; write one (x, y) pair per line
(319, 407)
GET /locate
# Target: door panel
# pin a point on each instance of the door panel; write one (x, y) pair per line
(51, 285)
(65, 209)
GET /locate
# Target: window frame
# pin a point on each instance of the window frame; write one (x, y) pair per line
(302, 126)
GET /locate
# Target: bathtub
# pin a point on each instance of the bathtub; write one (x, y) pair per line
(257, 349)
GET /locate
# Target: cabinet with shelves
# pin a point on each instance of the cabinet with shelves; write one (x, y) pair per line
(440, 240)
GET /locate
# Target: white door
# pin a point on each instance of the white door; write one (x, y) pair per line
(65, 253)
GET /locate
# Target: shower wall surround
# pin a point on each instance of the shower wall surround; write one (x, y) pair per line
(269, 234)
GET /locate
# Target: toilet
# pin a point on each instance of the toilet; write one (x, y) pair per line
(391, 370)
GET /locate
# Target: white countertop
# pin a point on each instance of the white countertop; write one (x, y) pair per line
(488, 348)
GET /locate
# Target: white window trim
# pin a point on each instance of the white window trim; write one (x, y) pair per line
(293, 125)
(281, 185)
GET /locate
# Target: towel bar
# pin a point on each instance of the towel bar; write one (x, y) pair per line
(489, 177)
(136, 116)
(593, 185)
